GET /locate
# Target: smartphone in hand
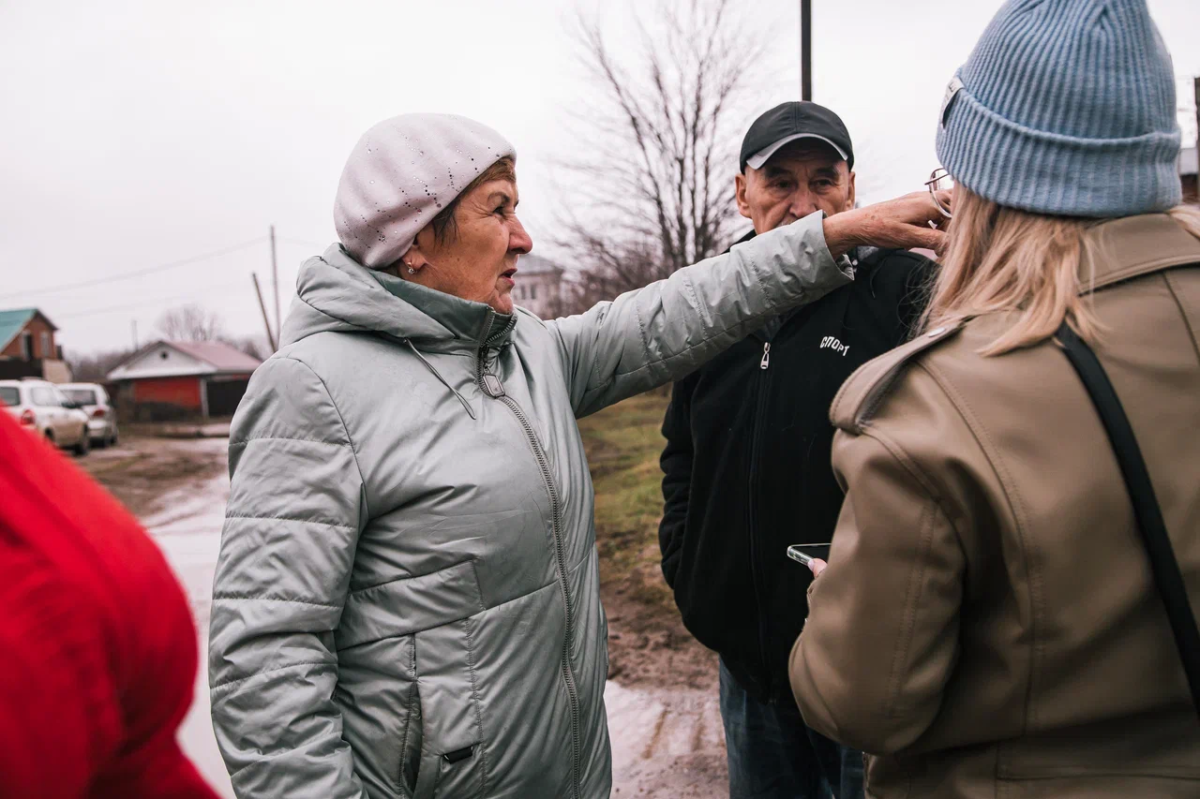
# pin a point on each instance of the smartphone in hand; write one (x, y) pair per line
(807, 553)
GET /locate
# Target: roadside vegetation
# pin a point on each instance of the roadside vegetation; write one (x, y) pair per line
(647, 640)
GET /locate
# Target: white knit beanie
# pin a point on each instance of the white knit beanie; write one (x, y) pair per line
(401, 174)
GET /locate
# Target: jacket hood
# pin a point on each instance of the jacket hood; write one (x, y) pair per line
(336, 293)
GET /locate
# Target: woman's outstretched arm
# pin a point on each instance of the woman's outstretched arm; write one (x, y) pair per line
(648, 337)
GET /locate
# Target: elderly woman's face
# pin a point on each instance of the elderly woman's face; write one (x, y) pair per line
(478, 260)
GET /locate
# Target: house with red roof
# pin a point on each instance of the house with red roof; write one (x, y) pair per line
(176, 379)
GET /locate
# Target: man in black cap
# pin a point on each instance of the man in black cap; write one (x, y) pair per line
(747, 463)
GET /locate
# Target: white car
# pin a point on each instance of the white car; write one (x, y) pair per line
(93, 400)
(41, 408)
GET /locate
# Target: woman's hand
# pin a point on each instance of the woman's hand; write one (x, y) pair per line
(817, 566)
(902, 223)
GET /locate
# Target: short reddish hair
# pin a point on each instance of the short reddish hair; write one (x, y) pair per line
(444, 228)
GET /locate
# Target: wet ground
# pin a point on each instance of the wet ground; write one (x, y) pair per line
(666, 733)
(147, 473)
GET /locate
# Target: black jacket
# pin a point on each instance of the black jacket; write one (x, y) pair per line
(746, 466)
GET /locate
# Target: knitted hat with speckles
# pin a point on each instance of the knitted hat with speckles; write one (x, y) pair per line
(401, 174)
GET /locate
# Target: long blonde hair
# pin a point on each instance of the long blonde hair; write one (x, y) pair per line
(1002, 259)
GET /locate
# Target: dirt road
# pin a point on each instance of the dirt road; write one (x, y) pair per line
(666, 738)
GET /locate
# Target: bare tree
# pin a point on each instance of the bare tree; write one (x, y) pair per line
(650, 177)
(190, 323)
(254, 346)
(94, 368)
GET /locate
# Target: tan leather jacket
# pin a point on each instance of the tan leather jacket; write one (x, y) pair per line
(987, 625)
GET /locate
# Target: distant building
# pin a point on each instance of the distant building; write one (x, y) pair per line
(1188, 169)
(539, 286)
(176, 379)
(28, 347)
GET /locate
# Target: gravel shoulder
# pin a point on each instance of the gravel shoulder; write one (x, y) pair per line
(144, 471)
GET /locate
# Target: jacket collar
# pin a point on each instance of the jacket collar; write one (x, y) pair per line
(1126, 248)
(743, 239)
(768, 331)
(464, 319)
(336, 293)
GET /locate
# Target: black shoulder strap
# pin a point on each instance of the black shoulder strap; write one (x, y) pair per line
(1165, 568)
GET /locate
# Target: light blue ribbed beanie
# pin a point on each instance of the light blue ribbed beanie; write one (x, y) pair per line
(1066, 107)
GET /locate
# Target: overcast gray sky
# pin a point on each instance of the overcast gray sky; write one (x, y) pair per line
(142, 132)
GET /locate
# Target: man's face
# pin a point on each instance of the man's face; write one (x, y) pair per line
(802, 177)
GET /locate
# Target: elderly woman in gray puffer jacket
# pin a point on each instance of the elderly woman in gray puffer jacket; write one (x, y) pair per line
(407, 598)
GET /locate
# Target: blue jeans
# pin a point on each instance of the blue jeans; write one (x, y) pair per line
(773, 755)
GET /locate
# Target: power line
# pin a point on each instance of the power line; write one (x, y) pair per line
(137, 273)
(303, 243)
(143, 303)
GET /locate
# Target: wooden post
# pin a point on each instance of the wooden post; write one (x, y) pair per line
(1196, 187)
(263, 307)
(275, 287)
(806, 49)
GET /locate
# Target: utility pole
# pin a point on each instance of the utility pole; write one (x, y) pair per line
(1195, 188)
(135, 343)
(262, 306)
(806, 49)
(275, 287)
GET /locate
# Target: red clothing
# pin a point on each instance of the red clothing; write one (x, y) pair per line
(97, 646)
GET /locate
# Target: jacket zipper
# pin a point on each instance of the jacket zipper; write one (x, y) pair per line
(495, 389)
(753, 473)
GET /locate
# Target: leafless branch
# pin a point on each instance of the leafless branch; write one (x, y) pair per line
(190, 323)
(650, 173)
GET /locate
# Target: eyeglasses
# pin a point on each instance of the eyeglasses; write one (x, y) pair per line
(940, 180)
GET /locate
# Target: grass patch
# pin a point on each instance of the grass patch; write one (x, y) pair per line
(623, 443)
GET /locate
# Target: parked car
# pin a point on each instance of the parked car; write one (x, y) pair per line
(93, 400)
(43, 409)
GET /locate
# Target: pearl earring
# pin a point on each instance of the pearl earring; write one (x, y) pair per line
(411, 271)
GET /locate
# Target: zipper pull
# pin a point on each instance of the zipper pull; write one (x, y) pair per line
(492, 386)
(766, 359)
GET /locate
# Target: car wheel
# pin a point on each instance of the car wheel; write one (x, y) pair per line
(85, 444)
(112, 442)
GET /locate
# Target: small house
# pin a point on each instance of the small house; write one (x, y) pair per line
(538, 286)
(28, 347)
(177, 379)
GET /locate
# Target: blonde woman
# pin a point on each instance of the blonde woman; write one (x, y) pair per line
(988, 623)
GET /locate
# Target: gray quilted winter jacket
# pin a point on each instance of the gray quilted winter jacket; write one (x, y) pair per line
(407, 597)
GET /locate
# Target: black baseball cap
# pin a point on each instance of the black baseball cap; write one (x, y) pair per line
(788, 122)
